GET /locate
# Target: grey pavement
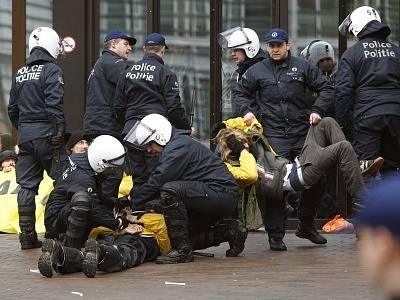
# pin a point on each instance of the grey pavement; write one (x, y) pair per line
(305, 271)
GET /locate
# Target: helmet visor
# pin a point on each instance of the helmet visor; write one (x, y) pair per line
(139, 135)
(223, 37)
(344, 26)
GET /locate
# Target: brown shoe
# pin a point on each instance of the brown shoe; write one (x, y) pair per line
(370, 167)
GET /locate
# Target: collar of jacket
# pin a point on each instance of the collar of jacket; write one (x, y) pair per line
(108, 51)
(153, 56)
(375, 28)
(242, 67)
(39, 54)
(281, 63)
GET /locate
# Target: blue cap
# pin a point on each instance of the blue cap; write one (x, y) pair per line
(382, 206)
(155, 39)
(276, 35)
(118, 34)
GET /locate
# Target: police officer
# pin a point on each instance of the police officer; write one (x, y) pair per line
(76, 205)
(281, 82)
(36, 109)
(367, 96)
(148, 87)
(321, 54)
(99, 114)
(194, 188)
(244, 47)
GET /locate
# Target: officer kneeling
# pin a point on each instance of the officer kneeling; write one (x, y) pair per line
(195, 191)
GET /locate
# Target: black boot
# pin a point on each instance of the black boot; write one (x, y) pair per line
(176, 219)
(29, 240)
(306, 230)
(51, 253)
(94, 252)
(276, 244)
(28, 236)
(233, 232)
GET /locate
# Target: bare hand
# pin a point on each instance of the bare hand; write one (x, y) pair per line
(315, 118)
(249, 118)
(132, 229)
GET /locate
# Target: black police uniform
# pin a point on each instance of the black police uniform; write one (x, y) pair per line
(191, 181)
(242, 68)
(76, 205)
(36, 110)
(368, 95)
(145, 88)
(283, 109)
(100, 117)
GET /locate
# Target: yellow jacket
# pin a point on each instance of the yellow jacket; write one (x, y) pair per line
(244, 171)
(154, 225)
(238, 123)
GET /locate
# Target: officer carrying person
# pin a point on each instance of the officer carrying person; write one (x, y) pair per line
(281, 82)
(192, 187)
(367, 95)
(99, 113)
(148, 87)
(36, 109)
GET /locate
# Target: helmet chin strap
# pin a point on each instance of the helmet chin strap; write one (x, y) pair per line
(113, 160)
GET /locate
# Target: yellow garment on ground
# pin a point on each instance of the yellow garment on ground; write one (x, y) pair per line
(9, 220)
(238, 123)
(245, 171)
(154, 225)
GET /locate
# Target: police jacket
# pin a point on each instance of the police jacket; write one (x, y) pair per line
(36, 105)
(368, 77)
(100, 117)
(185, 159)
(281, 95)
(150, 87)
(242, 67)
(78, 177)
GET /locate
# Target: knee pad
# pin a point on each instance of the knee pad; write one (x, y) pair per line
(81, 201)
(26, 197)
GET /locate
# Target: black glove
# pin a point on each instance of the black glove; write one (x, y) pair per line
(235, 146)
(216, 128)
(58, 138)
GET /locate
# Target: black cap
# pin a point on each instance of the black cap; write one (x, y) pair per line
(6, 154)
(155, 39)
(118, 34)
(75, 137)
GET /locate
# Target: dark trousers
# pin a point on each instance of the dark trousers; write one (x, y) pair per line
(121, 252)
(326, 146)
(33, 158)
(57, 221)
(379, 136)
(205, 204)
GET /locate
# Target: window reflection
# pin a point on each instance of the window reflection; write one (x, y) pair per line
(126, 15)
(255, 14)
(5, 63)
(186, 26)
(310, 20)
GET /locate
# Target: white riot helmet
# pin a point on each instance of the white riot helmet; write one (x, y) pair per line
(152, 128)
(317, 50)
(358, 19)
(240, 38)
(46, 38)
(105, 151)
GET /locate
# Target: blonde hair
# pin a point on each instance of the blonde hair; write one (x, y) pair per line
(224, 134)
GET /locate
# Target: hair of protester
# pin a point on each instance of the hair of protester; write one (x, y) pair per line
(224, 134)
